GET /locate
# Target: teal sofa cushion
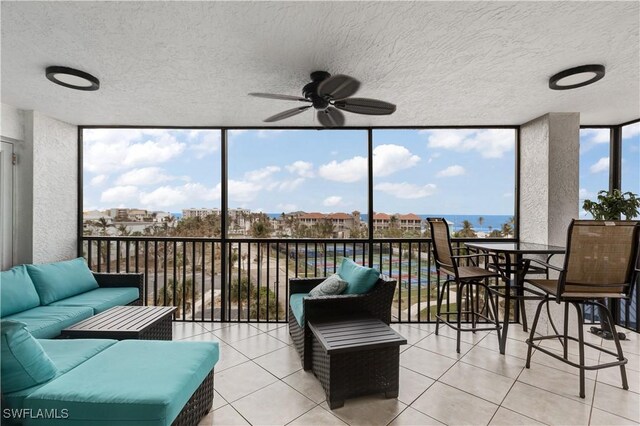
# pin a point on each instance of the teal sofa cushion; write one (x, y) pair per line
(24, 363)
(101, 299)
(17, 292)
(331, 286)
(133, 382)
(360, 278)
(296, 302)
(46, 322)
(57, 281)
(65, 354)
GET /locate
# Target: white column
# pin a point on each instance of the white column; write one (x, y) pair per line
(549, 155)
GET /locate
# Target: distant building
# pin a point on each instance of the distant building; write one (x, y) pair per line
(342, 223)
(201, 213)
(406, 222)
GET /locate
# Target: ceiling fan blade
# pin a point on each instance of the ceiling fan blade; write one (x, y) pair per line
(286, 114)
(339, 86)
(281, 97)
(331, 117)
(365, 106)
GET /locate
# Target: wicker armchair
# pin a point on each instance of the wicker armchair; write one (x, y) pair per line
(601, 263)
(106, 280)
(375, 304)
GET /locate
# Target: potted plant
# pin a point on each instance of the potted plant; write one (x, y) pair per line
(612, 205)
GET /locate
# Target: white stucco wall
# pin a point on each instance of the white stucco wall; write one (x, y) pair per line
(12, 124)
(549, 155)
(55, 196)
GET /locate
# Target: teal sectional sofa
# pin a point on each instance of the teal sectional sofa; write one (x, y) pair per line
(105, 382)
(51, 297)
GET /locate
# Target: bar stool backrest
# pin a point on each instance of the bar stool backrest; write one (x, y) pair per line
(441, 243)
(601, 257)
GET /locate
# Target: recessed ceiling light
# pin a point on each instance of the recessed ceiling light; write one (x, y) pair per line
(72, 78)
(576, 77)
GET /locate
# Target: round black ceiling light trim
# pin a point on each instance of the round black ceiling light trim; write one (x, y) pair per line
(576, 77)
(72, 78)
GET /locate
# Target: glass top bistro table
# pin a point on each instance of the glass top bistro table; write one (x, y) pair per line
(514, 253)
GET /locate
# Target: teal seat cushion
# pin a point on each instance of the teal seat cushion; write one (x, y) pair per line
(360, 278)
(17, 292)
(46, 322)
(24, 363)
(331, 286)
(101, 299)
(296, 303)
(65, 354)
(133, 382)
(57, 281)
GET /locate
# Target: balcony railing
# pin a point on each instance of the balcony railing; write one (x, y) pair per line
(247, 279)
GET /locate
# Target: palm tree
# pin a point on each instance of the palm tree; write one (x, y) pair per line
(180, 295)
(480, 221)
(123, 230)
(507, 229)
(103, 225)
(467, 230)
(261, 228)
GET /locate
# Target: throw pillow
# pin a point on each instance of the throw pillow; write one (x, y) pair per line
(332, 285)
(59, 280)
(24, 362)
(360, 278)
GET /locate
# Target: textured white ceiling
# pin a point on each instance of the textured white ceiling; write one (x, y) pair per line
(442, 63)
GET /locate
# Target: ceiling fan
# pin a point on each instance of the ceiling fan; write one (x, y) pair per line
(328, 95)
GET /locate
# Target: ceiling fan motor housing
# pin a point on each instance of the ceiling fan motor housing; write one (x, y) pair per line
(310, 91)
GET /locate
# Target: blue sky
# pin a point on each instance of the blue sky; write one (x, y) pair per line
(594, 161)
(418, 171)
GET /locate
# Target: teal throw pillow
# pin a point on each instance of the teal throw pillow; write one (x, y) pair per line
(24, 361)
(57, 281)
(17, 292)
(331, 286)
(360, 279)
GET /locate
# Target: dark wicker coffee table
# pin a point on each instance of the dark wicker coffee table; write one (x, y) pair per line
(125, 322)
(355, 357)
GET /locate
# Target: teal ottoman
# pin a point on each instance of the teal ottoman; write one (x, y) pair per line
(133, 382)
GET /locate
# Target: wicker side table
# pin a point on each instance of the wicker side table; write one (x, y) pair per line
(355, 357)
(125, 322)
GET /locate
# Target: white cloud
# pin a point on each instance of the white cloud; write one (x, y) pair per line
(261, 174)
(331, 201)
(119, 194)
(301, 168)
(348, 171)
(631, 130)
(507, 194)
(287, 207)
(98, 180)
(406, 190)
(205, 142)
(168, 196)
(451, 171)
(387, 159)
(584, 194)
(108, 150)
(490, 143)
(144, 176)
(290, 185)
(242, 191)
(595, 136)
(602, 165)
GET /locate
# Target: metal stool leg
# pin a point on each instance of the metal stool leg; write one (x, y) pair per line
(533, 331)
(580, 347)
(460, 287)
(616, 339)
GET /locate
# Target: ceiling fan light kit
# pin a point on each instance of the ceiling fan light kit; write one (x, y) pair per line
(328, 95)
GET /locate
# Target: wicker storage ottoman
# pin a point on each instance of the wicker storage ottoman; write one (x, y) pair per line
(355, 357)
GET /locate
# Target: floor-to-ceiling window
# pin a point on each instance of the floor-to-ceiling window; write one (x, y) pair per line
(594, 164)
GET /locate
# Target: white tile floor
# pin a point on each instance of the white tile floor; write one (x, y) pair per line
(259, 381)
